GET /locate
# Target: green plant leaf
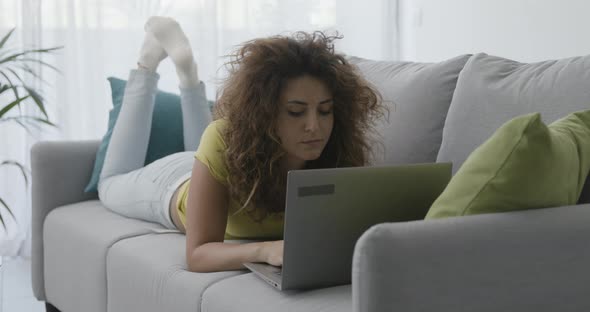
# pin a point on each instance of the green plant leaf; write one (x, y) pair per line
(4, 88)
(29, 70)
(25, 117)
(34, 124)
(11, 105)
(40, 62)
(23, 67)
(9, 211)
(21, 167)
(15, 74)
(6, 51)
(19, 119)
(15, 56)
(6, 37)
(11, 60)
(26, 68)
(38, 99)
(25, 127)
(15, 90)
(8, 88)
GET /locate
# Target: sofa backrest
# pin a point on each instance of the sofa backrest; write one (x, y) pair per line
(492, 90)
(418, 96)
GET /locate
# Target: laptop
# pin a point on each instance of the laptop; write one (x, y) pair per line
(327, 210)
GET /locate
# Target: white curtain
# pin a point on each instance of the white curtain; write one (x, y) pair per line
(102, 38)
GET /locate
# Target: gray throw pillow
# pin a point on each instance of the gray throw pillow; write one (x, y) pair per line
(492, 90)
(418, 96)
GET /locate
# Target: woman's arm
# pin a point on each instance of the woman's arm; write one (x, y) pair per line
(215, 257)
(206, 220)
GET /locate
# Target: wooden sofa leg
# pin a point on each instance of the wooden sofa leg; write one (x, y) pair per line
(50, 308)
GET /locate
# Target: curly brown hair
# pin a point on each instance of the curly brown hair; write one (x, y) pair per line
(258, 71)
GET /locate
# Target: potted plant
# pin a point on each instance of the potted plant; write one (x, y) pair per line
(14, 62)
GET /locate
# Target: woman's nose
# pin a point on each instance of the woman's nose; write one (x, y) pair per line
(312, 123)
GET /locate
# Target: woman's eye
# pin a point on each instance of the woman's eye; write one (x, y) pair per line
(295, 114)
(299, 114)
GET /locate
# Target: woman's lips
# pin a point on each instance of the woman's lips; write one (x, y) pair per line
(314, 143)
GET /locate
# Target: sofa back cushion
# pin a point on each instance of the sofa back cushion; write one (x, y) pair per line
(418, 96)
(492, 90)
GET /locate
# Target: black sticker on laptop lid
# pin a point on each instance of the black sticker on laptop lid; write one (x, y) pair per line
(325, 189)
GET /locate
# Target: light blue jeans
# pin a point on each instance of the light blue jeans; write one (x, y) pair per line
(126, 186)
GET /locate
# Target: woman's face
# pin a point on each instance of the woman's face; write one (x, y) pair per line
(305, 119)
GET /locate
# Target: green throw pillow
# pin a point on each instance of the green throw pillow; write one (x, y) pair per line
(166, 133)
(523, 165)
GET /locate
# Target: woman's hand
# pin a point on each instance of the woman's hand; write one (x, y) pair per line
(272, 253)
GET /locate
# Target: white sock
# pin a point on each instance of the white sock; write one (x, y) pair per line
(151, 53)
(171, 37)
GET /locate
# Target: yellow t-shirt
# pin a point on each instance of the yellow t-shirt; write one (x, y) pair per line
(241, 226)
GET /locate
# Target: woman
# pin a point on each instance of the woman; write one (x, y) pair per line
(288, 103)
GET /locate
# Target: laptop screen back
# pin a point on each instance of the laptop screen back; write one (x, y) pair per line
(327, 211)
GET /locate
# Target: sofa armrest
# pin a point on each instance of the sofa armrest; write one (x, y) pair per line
(60, 170)
(534, 260)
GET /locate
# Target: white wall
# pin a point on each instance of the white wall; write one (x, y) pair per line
(523, 30)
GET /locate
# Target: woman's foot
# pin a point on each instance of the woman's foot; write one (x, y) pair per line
(151, 53)
(171, 37)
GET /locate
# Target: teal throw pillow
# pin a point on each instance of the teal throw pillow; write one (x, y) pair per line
(166, 135)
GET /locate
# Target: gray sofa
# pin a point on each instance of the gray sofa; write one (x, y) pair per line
(86, 258)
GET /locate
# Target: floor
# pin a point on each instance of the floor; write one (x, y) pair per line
(17, 293)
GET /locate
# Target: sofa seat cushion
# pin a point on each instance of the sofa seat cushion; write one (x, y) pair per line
(76, 239)
(149, 273)
(249, 293)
